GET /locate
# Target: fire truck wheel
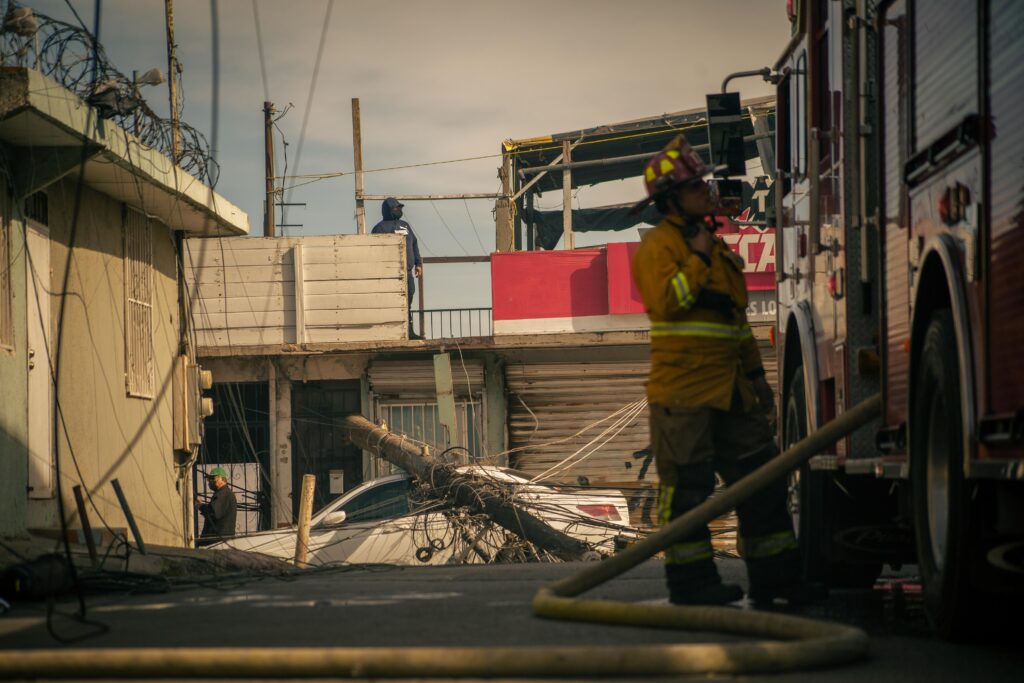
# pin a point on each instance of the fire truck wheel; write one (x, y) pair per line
(940, 493)
(814, 522)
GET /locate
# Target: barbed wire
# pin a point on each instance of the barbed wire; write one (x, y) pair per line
(63, 52)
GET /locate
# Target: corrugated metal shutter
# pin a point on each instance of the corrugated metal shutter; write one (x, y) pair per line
(553, 401)
(416, 378)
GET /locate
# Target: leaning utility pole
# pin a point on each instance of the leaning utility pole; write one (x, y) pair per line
(172, 80)
(268, 156)
(398, 451)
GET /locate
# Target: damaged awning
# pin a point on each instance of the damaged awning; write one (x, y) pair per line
(622, 140)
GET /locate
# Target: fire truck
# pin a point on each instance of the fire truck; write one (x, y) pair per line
(899, 205)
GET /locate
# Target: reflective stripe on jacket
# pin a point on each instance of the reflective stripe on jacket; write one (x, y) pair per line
(701, 348)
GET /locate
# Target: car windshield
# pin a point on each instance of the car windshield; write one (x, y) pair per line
(380, 502)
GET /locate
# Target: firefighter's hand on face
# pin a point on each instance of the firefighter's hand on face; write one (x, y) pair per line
(765, 395)
(702, 242)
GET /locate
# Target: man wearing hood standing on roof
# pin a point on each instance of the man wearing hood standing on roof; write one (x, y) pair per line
(391, 210)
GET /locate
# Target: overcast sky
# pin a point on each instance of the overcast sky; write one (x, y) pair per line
(437, 80)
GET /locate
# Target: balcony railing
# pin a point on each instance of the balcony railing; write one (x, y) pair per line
(453, 323)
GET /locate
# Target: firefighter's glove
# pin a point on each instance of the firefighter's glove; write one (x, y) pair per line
(715, 301)
(765, 394)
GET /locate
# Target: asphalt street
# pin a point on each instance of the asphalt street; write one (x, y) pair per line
(478, 606)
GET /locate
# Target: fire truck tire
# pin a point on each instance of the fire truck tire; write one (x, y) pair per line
(941, 496)
(812, 522)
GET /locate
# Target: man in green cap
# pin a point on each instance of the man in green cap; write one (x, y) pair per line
(218, 512)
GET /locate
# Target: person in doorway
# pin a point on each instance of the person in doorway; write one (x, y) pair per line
(392, 224)
(709, 399)
(218, 512)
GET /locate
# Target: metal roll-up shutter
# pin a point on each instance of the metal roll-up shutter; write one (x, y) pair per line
(553, 401)
(416, 378)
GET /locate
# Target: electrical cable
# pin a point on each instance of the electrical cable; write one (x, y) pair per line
(259, 47)
(309, 98)
(446, 227)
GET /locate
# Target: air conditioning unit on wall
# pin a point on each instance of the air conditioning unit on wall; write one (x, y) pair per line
(190, 406)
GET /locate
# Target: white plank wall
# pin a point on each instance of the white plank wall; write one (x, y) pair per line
(259, 291)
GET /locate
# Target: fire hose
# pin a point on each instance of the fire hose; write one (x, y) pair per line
(795, 643)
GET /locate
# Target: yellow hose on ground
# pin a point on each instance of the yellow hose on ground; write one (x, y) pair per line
(797, 642)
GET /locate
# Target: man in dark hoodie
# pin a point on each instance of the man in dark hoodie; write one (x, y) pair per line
(391, 210)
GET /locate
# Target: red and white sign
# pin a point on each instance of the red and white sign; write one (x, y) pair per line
(592, 290)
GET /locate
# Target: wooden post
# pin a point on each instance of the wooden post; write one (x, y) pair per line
(268, 162)
(128, 515)
(172, 80)
(305, 513)
(90, 542)
(567, 237)
(357, 159)
(503, 238)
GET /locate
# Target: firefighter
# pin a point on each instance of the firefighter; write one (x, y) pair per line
(709, 399)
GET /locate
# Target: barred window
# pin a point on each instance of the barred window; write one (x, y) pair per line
(138, 294)
(6, 314)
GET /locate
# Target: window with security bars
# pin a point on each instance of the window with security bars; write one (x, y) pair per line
(6, 314)
(138, 294)
(421, 422)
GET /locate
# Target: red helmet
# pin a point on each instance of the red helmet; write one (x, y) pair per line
(670, 168)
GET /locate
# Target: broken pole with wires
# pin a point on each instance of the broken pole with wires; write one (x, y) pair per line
(397, 450)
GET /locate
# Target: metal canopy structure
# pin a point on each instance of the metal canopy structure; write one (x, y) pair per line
(604, 153)
(617, 144)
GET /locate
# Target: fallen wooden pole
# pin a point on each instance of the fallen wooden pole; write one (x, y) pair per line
(400, 452)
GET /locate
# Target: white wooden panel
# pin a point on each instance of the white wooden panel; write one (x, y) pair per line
(251, 290)
(353, 271)
(327, 302)
(243, 275)
(322, 289)
(368, 286)
(244, 304)
(233, 319)
(355, 316)
(245, 257)
(360, 254)
(382, 332)
(241, 336)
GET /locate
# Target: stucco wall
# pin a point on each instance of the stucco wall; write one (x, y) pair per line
(109, 434)
(14, 380)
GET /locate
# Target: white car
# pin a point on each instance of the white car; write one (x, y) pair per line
(386, 520)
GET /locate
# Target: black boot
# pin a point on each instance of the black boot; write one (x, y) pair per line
(777, 578)
(698, 583)
(715, 593)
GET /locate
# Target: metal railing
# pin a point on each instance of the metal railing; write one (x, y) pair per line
(453, 323)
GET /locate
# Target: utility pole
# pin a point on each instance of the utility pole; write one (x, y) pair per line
(172, 81)
(357, 154)
(268, 144)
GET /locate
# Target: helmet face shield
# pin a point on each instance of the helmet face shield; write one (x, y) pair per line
(726, 195)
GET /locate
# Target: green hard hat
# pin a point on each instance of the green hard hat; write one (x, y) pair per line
(217, 472)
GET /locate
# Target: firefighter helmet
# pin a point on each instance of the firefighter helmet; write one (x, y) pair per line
(671, 168)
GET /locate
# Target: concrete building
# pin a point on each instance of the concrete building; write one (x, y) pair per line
(93, 339)
(558, 372)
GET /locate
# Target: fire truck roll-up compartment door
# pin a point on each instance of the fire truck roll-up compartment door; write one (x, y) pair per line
(415, 379)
